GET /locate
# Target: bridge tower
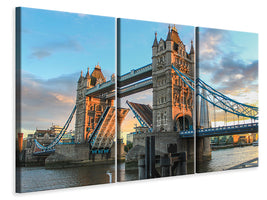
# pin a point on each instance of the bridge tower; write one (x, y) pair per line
(89, 109)
(172, 98)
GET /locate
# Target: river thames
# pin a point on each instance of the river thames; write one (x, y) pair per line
(221, 160)
(39, 178)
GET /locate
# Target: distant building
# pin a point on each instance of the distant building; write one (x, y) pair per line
(129, 138)
(56, 129)
(68, 137)
(41, 133)
(44, 137)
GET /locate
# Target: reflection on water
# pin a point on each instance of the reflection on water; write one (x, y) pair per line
(221, 160)
(225, 158)
(131, 175)
(39, 178)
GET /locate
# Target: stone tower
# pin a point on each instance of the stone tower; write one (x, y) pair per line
(172, 98)
(89, 109)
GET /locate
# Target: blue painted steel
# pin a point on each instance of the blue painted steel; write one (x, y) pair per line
(225, 103)
(62, 143)
(100, 151)
(218, 99)
(139, 118)
(111, 84)
(181, 75)
(59, 136)
(135, 72)
(105, 85)
(147, 83)
(186, 134)
(94, 134)
(224, 130)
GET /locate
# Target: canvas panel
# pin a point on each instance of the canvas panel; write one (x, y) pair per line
(227, 102)
(150, 57)
(65, 131)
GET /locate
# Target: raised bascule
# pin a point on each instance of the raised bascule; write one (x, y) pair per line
(178, 114)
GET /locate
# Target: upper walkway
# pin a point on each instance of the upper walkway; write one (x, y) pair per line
(129, 83)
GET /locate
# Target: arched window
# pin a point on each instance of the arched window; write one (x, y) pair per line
(98, 108)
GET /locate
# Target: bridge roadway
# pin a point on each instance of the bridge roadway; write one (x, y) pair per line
(220, 131)
(128, 84)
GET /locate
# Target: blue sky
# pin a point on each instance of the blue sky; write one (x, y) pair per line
(56, 46)
(54, 43)
(137, 39)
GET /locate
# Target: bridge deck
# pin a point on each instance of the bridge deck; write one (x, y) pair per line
(135, 75)
(135, 81)
(144, 111)
(220, 131)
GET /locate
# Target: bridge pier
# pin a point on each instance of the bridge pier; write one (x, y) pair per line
(187, 145)
(203, 149)
(162, 140)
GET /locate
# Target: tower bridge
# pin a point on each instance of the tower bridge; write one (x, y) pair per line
(170, 119)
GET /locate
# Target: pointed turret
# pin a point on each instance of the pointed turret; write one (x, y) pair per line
(155, 44)
(192, 48)
(169, 36)
(98, 66)
(81, 77)
(87, 79)
(97, 76)
(87, 74)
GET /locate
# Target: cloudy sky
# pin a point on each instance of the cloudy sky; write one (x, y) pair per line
(55, 47)
(228, 61)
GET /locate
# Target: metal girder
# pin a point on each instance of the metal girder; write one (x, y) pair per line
(225, 103)
(186, 79)
(224, 130)
(59, 136)
(94, 134)
(218, 99)
(106, 131)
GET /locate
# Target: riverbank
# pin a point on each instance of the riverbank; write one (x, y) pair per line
(226, 146)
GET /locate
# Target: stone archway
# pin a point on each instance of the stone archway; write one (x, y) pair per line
(183, 123)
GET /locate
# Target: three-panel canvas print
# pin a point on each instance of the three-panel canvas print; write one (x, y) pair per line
(105, 100)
